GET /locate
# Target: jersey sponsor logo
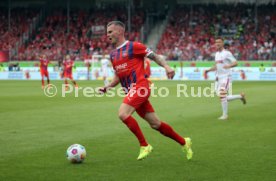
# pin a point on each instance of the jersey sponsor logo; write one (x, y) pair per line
(121, 66)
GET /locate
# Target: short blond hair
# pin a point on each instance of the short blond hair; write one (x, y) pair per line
(119, 23)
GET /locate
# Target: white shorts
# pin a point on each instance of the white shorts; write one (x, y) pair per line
(222, 86)
(105, 73)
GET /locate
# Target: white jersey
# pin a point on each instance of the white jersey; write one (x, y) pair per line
(104, 63)
(223, 58)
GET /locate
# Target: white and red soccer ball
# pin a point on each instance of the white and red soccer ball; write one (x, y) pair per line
(76, 153)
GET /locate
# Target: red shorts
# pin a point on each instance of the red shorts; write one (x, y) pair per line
(138, 98)
(146, 107)
(44, 73)
(66, 75)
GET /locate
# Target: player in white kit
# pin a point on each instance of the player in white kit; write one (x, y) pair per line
(224, 62)
(104, 68)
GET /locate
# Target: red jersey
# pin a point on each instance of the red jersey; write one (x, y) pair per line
(44, 64)
(68, 66)
(128, 62)
(147, 68)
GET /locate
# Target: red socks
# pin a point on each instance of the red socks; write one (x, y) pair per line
(135, 129)
(164, 129)
(168, 131)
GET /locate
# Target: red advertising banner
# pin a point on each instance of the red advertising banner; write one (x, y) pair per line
(4, 56)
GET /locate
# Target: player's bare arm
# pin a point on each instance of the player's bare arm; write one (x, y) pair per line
(115, 81)
(234, 64)
(214, 68)
(162, 62)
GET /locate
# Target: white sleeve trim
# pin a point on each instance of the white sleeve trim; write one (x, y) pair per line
(149, 53)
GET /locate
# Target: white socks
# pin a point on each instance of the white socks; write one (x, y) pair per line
(224, 105)
(233, 97)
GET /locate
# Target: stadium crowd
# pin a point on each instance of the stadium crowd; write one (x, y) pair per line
(86, 34)
(189, 34)
(19, 25)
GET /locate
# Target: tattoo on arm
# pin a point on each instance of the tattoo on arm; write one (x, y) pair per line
(158, 59)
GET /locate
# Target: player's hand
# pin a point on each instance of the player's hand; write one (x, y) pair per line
(102, 90)
(205, 74)
(170, 72)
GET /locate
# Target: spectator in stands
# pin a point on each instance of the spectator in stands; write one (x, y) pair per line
(2, 69)
(262, 68)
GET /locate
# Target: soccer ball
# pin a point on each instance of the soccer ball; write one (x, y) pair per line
(76, 153)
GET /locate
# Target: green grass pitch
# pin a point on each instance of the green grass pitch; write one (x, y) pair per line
(35, 132)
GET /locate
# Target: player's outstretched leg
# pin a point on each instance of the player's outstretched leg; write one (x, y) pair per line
(48, 80)
(74, 82)
(168, 131)
(42, 80)
(234, 97)
(42, 83)
(186, 143)
(125, 113)
(66, 84)
(243, 99)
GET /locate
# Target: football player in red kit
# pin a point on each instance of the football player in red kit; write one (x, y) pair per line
(68, 71)
(128, 63)
(44, 69)
(147, 68)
